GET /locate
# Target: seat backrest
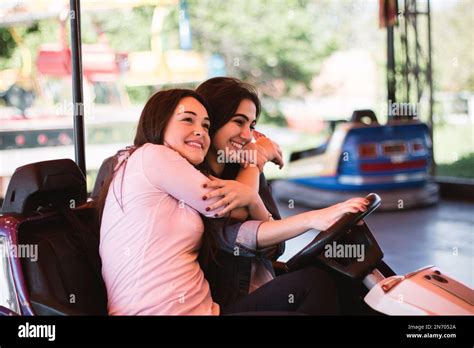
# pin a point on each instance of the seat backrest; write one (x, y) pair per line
(34, 185)
(104, 171)
(66, 276)
(63, 279)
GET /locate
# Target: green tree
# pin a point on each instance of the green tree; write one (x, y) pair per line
(8, 44)
(269, 41)
(453, 47)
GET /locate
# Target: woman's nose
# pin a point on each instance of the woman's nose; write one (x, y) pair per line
(199, 131)
(246, 134)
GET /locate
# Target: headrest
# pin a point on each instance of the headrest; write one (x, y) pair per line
(359, 115)
(42, 183)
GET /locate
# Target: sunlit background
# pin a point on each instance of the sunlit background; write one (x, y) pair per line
(314, 62)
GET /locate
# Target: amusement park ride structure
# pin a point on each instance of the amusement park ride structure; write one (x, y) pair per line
(37, 97)
(395, 159)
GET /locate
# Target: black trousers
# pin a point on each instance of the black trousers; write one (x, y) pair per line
(308, 291)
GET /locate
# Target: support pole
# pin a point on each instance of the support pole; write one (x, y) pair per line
(391, 82)
(77, 94)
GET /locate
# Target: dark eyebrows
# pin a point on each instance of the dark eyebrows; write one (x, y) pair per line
(193, 113)
(244, 116)
(187, 112)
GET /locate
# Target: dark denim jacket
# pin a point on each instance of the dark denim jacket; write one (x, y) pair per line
(229, 275)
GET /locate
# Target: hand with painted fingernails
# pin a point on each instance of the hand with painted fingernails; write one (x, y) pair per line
(268, 151)
(322, 219)
(234, 195)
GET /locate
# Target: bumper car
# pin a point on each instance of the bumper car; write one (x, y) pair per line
(49, 237)
(427, 291)
(363, 156)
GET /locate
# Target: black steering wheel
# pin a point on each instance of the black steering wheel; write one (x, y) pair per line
(335, 232)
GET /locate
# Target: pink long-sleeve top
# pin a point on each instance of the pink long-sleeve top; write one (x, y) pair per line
(150, 237)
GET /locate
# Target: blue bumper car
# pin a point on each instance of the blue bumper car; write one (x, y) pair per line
(363, 156)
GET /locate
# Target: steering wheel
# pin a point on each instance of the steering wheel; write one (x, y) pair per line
(335, 232)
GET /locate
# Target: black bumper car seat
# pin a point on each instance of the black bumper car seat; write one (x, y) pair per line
(65, 279)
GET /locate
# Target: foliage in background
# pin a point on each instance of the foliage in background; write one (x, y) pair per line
(139, 94)
(278, 45)
(276, 118)
(126, 30)
(453, 47)
(269, 41)
(462, 168)
(8, 44)
(45, 31)
(453, 141)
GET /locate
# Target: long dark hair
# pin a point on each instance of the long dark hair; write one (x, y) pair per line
(151, 127)
(224, 95)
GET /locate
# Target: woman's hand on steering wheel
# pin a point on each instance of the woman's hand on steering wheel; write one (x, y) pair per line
(322, 219)
(234, 195)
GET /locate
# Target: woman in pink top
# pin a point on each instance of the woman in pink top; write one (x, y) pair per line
(151, 230)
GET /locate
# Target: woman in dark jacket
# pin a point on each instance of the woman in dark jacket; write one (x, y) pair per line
(239, 266)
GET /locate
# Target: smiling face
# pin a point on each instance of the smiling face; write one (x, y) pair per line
(187, 131)
(238, 131)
